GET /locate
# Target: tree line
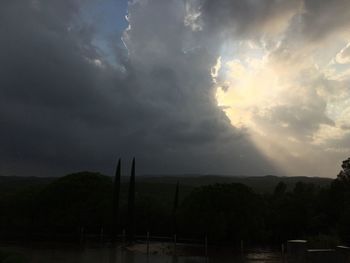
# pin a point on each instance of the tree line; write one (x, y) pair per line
(225, 213)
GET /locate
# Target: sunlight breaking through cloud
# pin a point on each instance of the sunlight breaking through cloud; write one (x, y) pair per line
(295, 110)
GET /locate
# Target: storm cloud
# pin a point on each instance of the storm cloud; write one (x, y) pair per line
(64, 107)
(67, 103)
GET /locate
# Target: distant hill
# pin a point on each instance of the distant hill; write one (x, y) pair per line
(10, 184)
(260, 184)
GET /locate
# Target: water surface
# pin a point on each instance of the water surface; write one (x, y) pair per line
(59, 253)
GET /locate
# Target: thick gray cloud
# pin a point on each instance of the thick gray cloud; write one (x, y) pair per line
(322, 18)
(243, 18)
(314, 19)
(66, 105)
(63, 107)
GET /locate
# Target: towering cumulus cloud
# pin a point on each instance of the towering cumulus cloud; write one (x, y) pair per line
(283, 73)
(234, 87)
(65, 106)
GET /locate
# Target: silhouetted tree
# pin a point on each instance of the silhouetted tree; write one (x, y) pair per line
(344, 174)
(76, 200)
(176, 202)
(340, 198)
(116, 190)
(226, 212)
(280, 190)
(131, 203)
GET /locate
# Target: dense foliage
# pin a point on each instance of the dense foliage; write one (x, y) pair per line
(224, 212)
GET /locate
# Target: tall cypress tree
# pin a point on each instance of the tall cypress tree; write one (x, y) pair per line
(116, 190)
(131, 203)
(176, 202)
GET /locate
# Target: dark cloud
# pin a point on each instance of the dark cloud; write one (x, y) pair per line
(242, 19)
(299, 121)
(310, 19)
(63, 107)
(323, 18)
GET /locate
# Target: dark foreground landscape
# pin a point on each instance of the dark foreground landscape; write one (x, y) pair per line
(82, 217)
(254, 209)
(56, 253)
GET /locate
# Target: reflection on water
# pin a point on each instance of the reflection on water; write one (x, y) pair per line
(107, 254)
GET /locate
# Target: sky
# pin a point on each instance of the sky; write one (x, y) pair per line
(225, 87)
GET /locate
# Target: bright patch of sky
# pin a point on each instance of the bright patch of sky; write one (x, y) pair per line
(289, 105)
(107, 18)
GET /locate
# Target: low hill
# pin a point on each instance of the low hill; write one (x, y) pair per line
(260, 184)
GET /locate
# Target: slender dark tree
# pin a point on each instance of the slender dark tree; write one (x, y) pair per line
(176, 203)
(131, 203)
(116, 190)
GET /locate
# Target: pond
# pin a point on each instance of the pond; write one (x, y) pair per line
(59, 253)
